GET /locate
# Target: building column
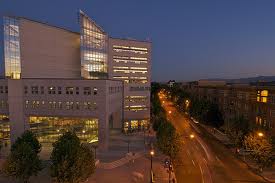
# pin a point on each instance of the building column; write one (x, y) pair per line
(18, 120)
(103, 132)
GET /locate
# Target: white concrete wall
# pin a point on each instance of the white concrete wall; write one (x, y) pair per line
(48, 52)
(106, 104)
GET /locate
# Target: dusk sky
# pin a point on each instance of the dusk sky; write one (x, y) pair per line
(192, 39)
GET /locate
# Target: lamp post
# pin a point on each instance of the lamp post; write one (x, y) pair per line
(152, 152)
(95, 147)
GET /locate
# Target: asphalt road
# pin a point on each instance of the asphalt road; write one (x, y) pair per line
(203, 159)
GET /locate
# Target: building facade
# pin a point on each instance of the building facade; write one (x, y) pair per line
(130, 61)
(253, 101)
(58, 80)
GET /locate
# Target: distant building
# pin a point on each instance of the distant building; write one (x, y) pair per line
(58, 80)
(171, 83)
(255, 102)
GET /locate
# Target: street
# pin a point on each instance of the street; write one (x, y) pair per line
(203, 158)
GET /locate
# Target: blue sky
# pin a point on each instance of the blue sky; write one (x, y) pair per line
(192, 39)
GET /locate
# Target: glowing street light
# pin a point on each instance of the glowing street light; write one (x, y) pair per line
(260, 134)
(152, 153)
(169, 112)
(192, 136)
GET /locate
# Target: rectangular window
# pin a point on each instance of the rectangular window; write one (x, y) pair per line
(34, 89)
(25, 89)
(95, 91)
(262, 96)
(59, 105)
(87, 90)
(69, 90)
(51, 90)
(59, 90)
(42, 90)
(69, 105)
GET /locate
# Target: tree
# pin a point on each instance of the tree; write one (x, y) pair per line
(29, 138)
(72, 162)
(168, 141)
(238, 128)
(261, 149)
(213, 116)
(23, 161)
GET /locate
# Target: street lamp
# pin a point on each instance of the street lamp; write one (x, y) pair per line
(169, 112)
(152, 153)
(260, 134)
(192, 136)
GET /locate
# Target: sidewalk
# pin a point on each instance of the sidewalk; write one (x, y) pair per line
(268, 174)
(131, 168)
(137, 171)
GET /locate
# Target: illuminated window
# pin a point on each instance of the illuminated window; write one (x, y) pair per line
(95, 91)
(93, 49)
(130, 49)
(262, 96)
(124, 59)
(59, 105)
(12, 48)
(4, 128)
(135, 98)
(51, 90)
(69, 105)
(49, 129)
(136, 108)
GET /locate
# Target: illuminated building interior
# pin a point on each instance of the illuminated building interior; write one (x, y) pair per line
(93, 49)
(262, 96)
(4, 128)
(12, 48)
(135, 125)
(48, 129)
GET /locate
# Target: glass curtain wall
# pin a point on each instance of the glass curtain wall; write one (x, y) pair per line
(12, 48)
(48, 129)
(93, 49)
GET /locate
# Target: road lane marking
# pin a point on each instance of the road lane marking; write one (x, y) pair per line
(204, 160)
(204, 148)
(207, 171)
(193, 162)
(201, 174)
(218, 159)
(188, 152)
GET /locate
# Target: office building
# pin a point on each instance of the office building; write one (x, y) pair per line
(57, 80)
